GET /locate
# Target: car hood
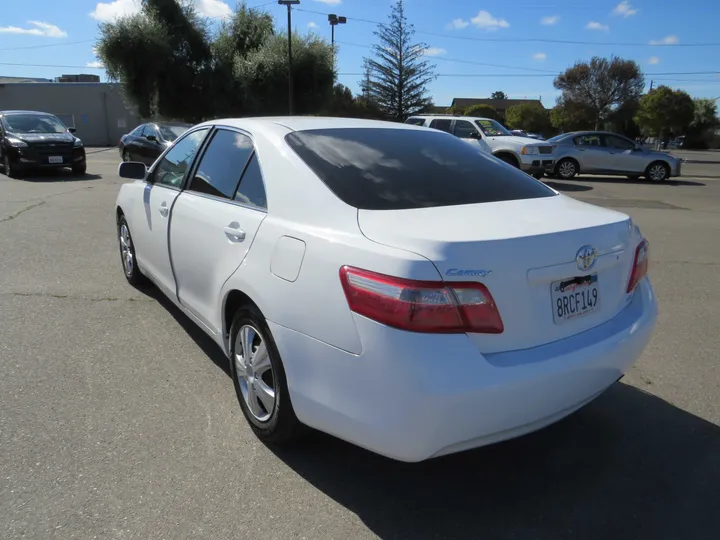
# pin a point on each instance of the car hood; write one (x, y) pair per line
(514, 139)
(44, 137)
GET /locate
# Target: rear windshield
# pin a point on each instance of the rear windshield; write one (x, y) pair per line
(395, 169)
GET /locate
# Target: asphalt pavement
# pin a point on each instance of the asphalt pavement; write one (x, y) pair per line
(118, 418)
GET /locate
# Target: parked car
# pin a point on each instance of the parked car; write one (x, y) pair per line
(386, 283)
(521, 133)
(147, 141)
(600, 152)
(31, 140)
(521, 152)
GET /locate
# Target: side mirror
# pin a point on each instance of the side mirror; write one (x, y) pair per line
(132, 170)
(151, 138)
(72, 129)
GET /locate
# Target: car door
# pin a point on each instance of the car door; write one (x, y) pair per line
(591, 153)
(214, 221)
(465, 130)
(623, 156)
(163, 185)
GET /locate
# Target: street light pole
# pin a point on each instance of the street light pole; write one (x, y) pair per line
(289, 4)
(334, 20)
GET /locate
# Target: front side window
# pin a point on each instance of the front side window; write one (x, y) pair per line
(394, 169)
(173, 166)
(441, 124)
(150, 130)
(464, 130)
(618, 143)
(491, 128)
(222, 164)
(33, 123)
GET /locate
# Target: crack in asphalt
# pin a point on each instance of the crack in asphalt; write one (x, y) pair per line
(81, 298)
(20, 212)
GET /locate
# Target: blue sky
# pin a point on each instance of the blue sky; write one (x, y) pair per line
(461, 35)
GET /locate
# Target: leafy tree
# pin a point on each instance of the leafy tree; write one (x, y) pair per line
(399, 75)
(484, 111)
(171, 65)
(663, 110)
(498, 95)
(601, 85)
(528, 117)
(343, 103)
(568, 115)
(701, 131)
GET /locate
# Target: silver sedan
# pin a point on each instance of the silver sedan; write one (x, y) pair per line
(599, 152)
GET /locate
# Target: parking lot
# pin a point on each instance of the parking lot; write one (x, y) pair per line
(118, 418)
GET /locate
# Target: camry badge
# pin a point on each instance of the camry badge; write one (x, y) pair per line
(585, 258)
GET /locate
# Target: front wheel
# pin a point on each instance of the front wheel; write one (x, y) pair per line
(657, 172)
(259, 378)
(12, 169)
(127, 254)
(79, 169)
(566, 169)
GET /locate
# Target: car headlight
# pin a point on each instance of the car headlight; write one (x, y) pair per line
(16, 142)
(77, 143)
(529, 150)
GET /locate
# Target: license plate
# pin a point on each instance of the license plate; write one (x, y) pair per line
(574, 297)
(55, 159)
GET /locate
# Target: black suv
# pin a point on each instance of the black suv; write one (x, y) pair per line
(38, 140)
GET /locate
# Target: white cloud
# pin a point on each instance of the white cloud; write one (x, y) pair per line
(592, 25)
(486, 21)
(329, 2)
(109, 11)
(95, 65)
(458, 24)
(539, 57)
(434, 51)
(214, 9)
(625, 9)
(38, 29)
(550, 20)
(668, 40)
(312, 25)
(654, 60)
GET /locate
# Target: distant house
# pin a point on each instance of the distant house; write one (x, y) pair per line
(500, 105)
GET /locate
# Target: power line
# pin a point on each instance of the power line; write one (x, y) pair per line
(48, 45)
(529, 40)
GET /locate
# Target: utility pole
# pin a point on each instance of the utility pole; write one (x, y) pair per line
(289, 4)
(651, 85)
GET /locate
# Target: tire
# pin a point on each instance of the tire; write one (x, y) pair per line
(509, 159)
(131, 270)
(125, 155)
(271, 418)
(12, 170)
(566, 168)
(657, 172)
(633, 176)
(79, 169)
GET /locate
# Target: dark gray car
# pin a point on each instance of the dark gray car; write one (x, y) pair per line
(600, 152)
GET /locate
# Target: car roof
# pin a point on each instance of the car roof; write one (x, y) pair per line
(163, 123)
(39, 113)
(305, 123)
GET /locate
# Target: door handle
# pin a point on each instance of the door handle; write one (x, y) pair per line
(234, 232)
(163, 209)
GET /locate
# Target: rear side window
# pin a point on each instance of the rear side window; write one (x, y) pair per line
(588, 140)
(222, 164)
(251, 190)
(394, 169)
(442, 125)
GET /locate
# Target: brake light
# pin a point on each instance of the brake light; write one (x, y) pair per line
(640, 265)
(421, 306)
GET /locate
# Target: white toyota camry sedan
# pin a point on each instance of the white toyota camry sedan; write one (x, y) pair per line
(386, 283)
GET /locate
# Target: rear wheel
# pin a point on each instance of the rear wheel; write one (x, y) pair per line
(125, 155)
(566, 168)
(259, 378)
(657, 172)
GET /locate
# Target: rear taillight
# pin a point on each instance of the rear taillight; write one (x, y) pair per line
(421, 306)
(640, 265)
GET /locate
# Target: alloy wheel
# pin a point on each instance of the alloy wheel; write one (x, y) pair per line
(255, 373)
(566, 169)
(126, 252)
(657, 173)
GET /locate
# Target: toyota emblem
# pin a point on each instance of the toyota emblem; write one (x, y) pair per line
(586, 257)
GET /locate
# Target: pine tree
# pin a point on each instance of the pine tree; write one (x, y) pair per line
(399, 75)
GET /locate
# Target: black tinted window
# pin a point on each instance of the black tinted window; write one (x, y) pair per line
(251, 190)
(464, 129)
(392, 169)
(442, 125)
(222, 164)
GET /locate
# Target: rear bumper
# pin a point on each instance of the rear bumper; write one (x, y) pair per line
(415, 396)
